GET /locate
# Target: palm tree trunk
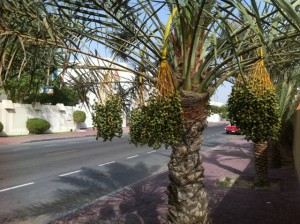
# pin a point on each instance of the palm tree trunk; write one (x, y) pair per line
(274, 149)
(261, 164)
(187, 195)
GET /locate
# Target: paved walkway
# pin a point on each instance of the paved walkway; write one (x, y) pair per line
(146, 201)
(43, 137)
(75, 134)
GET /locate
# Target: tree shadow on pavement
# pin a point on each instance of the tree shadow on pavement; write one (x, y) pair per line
(81, 198)
(143, 203)
(234, 204)
(231, 158)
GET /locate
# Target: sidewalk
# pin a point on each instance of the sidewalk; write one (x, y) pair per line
(146, 202)
(75, 134)
(43, 137)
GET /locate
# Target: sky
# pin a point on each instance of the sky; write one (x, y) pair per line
(222, 93)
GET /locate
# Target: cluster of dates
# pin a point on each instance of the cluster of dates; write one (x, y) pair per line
(158, 122)
(107, 118)
(256, 113)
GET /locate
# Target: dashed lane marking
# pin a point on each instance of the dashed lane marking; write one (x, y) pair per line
(69, 143)
(58, 153)
(130, 157)
(151, 152)
(66, 174)
(11, 188)
(50, 145)
(103, 164)
(21, 148)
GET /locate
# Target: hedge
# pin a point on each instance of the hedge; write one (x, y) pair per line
(79, 116)
(1, 126)
(37, 125)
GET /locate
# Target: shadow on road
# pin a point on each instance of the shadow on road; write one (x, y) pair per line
(134, 206)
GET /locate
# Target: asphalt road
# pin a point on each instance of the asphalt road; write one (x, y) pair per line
(31, 173)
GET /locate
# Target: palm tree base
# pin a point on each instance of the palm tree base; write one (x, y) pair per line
(261, 164)
(188, 203)
(275, 161)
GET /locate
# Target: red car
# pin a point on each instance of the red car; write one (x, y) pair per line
(232, 129)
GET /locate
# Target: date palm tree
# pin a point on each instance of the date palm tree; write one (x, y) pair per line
(253, 106)
(23, 57)
(204, 43)
(289, 97)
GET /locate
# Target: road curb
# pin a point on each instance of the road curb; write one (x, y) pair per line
(52, 139)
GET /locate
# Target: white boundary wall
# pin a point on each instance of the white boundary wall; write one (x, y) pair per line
(14, 116)
(214, 118)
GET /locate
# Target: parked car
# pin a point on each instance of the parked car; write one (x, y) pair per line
(232, 129)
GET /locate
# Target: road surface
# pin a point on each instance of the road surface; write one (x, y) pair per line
(36, 172)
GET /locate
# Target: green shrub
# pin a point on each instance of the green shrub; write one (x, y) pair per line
(1, 126)
(37, 125)
(79, 116)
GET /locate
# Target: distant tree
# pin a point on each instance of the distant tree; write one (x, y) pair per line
(65, 95)
(21, 89)
(24, 64)
(222, 110)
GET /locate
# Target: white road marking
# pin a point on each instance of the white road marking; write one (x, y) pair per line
(58, 153)
(11, 188)
(70, 143)
(66, 174)
(130, 157)
(103, 164)
(50, 145)
(151, 152)
(21, 148)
